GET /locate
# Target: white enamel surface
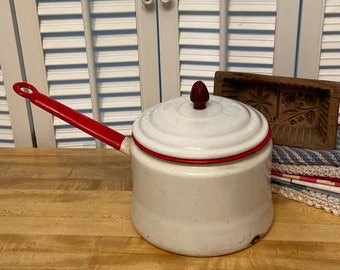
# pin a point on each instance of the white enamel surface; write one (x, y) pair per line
(225, 128)
(202, 210)
(125, 146)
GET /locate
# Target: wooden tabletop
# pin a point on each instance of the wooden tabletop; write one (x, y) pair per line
(69, 208)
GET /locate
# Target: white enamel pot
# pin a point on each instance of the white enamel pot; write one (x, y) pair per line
(200, 166)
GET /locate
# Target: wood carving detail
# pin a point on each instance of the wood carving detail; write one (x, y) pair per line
(301, 112)
(299, 107)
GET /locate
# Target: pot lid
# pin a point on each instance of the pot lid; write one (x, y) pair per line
(201, 129)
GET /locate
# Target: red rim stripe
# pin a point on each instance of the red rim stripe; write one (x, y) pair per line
(206, 161)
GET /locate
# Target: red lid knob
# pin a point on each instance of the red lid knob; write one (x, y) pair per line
(199, 95)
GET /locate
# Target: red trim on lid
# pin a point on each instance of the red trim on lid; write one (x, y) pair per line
(206, 161)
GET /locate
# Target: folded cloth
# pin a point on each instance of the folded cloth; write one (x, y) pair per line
(308, 170)
(326, 200)
(308, 176)
(313, 182)
(298, 156)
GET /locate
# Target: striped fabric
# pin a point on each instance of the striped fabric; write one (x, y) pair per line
(297, 156)
(330, 184)
(308, 170)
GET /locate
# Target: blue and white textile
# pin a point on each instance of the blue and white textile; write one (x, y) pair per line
(297, 156)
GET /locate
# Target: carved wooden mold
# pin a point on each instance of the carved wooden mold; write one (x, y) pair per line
(301, 112)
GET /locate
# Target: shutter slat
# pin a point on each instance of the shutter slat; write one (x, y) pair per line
(259, 26)
(61, 25)
(77, 103)
(117, 56)
(238, 6)
(48, 8)
(116, 118)
(76, 25)
(332, 7)
(251, 60)
(330, 41)
(67, 74)
(331, 45)
(192, 38)
(200, 55)
(6, 137)
(119, 87)
(253, 6)
(204, 20)
(110, 40)
(75, 74)
(211, 39)
(78, 58)
(71, 133)
(330, 59)
(331, 27)
(112, 7)
(120, 104)
(329, 73)
(65, 89)
(76, 42)
(112, 23)
(265, 70)
(73, 7)
(113, 87)
(5, 123)
(330, 62)
(247, 22)
(117, 72)
(199, 5)
(198, 70)
(63, 42)
(252, 43)
(58, 58)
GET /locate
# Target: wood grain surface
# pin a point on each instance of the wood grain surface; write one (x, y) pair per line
(69, 209)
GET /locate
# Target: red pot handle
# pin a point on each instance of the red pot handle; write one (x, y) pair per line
(84, 123)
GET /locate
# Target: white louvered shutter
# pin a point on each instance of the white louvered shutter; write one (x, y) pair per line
(115, 97)
(15, 115)
(199, 25)
(6, 134)
(249, 47)
(87, 55)
(330, 43)
(251, 29)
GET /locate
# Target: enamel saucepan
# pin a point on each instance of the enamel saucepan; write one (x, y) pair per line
(200, 167)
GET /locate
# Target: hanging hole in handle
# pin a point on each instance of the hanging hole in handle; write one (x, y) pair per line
(19, 86)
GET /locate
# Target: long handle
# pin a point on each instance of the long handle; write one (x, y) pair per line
(84, 123)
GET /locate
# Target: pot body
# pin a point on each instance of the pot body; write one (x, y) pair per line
(202, 210)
